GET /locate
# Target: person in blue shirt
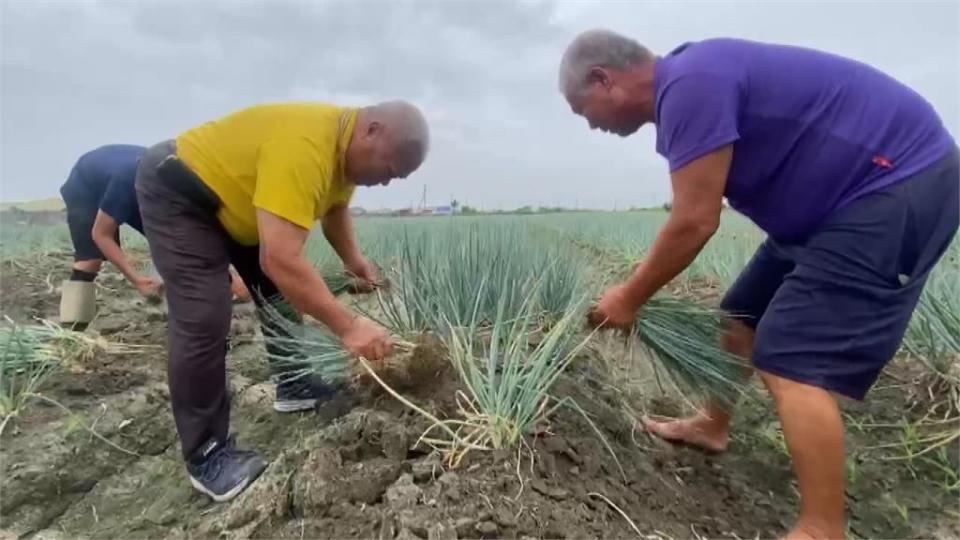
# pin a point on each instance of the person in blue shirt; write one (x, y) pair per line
(100, 197)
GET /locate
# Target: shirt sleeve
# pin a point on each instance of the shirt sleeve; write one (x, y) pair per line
(342, 196)
(120, 200)
(291, 181)
(698, 114)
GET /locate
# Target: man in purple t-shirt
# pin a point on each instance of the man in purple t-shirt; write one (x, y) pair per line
(850, 173)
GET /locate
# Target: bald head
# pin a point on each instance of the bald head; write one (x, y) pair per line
(406, 130)
(597, 49)
(390, 141)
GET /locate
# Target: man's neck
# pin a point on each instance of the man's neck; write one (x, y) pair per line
(362, 117)
(647, 89)
(643, 90)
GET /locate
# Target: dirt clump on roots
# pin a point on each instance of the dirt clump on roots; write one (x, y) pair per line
(356, 467)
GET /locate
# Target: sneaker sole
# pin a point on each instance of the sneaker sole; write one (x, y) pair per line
(294, 405)
(226, 496)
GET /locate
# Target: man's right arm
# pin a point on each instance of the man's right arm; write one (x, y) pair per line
(281, 256)
(282, 259)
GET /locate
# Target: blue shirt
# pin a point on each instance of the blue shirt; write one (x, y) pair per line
(811, 131)
(103, 179)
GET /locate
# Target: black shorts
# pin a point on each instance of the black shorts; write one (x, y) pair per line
(832, 311)
(80, 218)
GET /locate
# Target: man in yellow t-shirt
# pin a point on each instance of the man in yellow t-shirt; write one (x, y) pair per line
(246, 189)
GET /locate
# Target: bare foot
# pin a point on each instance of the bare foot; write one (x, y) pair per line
(700, 432)
(806, 531)
(799, 534)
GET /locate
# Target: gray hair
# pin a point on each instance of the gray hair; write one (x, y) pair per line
(597, 48)
(407, 129)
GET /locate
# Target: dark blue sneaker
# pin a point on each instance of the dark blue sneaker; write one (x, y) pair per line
(302, 394)
(222, 471)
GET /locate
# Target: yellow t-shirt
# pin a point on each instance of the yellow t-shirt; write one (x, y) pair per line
(286, 159)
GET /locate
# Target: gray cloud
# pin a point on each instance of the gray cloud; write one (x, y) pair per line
(79, 74)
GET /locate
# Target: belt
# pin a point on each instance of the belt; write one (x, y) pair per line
(179, 177)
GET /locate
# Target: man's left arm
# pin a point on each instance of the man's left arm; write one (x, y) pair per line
(119, 205)
(104, 232)
(337, 227)
(698, 189)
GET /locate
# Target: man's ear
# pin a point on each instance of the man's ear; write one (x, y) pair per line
(374, 128)
(601, 76)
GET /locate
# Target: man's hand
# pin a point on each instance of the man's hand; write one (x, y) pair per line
(148, 286)
(338, 230)
(238, 288)
(365, 338)
(614, 309)
(366, 274)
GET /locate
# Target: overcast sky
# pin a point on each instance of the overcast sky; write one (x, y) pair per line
(79, 74)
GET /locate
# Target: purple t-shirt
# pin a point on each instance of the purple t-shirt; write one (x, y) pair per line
(811, 131)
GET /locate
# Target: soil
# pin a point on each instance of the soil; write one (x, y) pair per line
(354, 468)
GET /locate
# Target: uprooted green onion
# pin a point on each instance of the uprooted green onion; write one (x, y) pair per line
(684, 339)
(298, 349)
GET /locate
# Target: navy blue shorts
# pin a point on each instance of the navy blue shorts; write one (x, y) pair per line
(832, 311)
(81, 215)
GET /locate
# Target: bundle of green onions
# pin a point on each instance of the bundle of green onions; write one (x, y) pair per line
(48, 342)
(508, 378)
(25, 362)
(337, 280)
(298, 349)
(684, 339)
(30, 353)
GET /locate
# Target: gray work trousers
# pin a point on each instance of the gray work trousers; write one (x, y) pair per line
(192, 251)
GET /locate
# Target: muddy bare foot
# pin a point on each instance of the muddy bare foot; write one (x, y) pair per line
(799, 534)
(700, 432)
(807, 532)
